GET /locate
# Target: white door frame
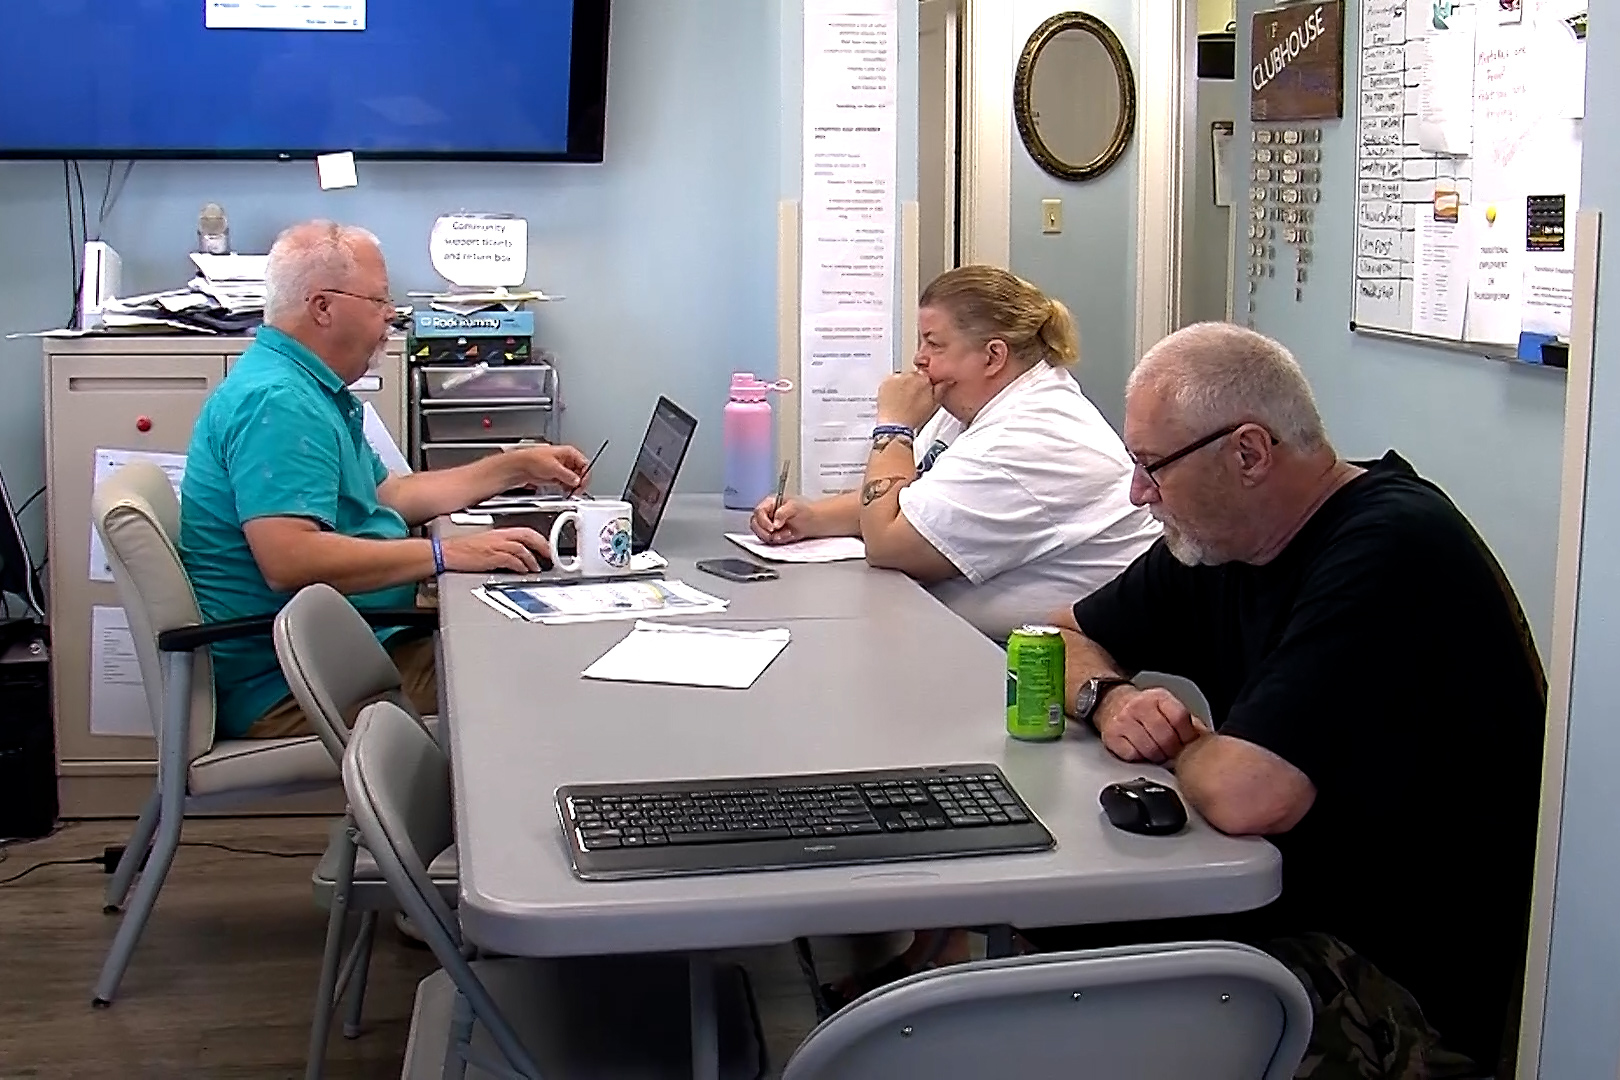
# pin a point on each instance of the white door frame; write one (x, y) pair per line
(985, 210)
(1168, 37)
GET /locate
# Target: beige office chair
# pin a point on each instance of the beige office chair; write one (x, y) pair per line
(138, 518)
(1210, 1010)
(334, 664)
(584, 1016)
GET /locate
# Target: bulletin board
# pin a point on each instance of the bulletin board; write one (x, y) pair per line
(1468, 169)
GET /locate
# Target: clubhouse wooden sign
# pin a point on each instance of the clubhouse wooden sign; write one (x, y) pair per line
(1296, 62)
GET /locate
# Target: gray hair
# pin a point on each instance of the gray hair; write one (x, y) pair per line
(306, 257)
(1215, 374)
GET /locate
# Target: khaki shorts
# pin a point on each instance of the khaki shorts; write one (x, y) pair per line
(418, 676)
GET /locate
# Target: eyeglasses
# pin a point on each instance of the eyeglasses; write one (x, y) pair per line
(1191, 448)
(380, 301)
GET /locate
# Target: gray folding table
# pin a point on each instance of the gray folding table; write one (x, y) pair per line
(878, 674)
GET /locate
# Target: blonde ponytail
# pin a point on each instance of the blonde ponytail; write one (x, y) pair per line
(987, 302)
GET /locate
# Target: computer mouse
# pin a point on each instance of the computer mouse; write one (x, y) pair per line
(1143, 806)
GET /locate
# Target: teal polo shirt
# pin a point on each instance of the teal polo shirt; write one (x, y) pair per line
(280, 437)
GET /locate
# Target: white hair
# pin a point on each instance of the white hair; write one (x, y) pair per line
(1216, 374)
(307, 257)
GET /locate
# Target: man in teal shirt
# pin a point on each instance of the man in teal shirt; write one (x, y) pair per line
(282, 490)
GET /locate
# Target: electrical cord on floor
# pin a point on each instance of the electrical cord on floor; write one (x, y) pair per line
(93, 860)
(110, 855)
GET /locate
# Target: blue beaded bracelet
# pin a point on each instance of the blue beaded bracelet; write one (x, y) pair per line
(438, 555)
(894, 429)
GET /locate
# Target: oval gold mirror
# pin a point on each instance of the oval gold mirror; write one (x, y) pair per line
(1075, 96)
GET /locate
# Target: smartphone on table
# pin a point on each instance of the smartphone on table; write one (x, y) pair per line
(736, 570)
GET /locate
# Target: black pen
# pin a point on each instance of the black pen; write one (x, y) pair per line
(588, 466)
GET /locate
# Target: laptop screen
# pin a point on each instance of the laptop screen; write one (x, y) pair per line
(662, 451)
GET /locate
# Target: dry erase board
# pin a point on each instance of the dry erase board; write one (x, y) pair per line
(1468, 167)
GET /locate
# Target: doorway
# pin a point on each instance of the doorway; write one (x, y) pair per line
(939, 59)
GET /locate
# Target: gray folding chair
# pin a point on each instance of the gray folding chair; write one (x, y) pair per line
(334, 664)
(1211, 1010)
(518, 1017)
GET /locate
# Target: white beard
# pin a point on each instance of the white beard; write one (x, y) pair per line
(378, 359)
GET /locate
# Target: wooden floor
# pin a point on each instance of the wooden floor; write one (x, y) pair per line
(222, 983)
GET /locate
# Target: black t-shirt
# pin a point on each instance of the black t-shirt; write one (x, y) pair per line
(1383, 654)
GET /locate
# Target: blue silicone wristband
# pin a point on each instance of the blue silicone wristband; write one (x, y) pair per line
(894, 429)
(438, 555)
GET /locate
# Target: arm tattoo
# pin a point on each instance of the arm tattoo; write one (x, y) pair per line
(882, 442)
(876, 489)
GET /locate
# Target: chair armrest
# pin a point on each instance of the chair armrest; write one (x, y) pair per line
(192, 638)
(412, 618)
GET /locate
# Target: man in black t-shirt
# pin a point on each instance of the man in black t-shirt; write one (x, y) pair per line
(1376, 699)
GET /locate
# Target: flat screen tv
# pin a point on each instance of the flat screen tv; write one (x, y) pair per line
(522, 80)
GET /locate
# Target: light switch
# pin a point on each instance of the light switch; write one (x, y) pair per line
(1051, 215)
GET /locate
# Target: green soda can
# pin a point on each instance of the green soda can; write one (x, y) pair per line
(1035, 683)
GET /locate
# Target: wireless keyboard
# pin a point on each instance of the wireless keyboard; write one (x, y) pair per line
(673, 827)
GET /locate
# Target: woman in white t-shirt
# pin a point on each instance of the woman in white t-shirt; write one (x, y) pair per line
(991, 478)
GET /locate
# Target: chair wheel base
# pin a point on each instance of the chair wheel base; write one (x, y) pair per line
(100, 1003)
(110, 909)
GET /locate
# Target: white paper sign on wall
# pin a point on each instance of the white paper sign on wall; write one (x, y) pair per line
(482, 250)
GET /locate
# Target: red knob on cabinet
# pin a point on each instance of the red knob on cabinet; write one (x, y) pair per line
(143, 423)
(487, 424)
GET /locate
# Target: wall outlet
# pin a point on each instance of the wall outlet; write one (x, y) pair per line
(1051, 215)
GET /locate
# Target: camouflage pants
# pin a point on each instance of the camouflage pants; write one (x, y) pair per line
(1367, 1026)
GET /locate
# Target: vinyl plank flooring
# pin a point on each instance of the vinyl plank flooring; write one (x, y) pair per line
(223, 981)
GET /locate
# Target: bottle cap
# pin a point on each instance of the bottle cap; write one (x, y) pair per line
(746, 386)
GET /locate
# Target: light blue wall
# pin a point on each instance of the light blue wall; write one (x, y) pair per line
(1091, 265)
(666, 252)
(1581, 1038)
(1488, 432)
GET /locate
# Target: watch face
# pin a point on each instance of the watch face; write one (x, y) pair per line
(1086, 699)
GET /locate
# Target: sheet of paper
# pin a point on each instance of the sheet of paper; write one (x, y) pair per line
(480, 249)
(1220, 134)
(830, 549)
(284, 15)
(1442, 270)
(336, 171)
(690, 656)
(225, 269)
(850, 228)
(110, 461)
(600, 601)
(383, 443)
(1496, 275)
(1445, 73)
(1549, 292)
(117, 693)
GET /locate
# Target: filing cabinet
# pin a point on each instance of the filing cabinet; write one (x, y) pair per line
(142, 394)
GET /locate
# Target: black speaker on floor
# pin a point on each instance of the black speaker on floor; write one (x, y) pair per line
(28, 803)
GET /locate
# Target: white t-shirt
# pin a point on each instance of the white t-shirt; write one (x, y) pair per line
(1031, 502)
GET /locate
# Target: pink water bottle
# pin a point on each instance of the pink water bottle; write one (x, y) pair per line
(750, 468)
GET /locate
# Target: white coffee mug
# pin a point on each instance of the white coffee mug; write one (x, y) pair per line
(602, 537)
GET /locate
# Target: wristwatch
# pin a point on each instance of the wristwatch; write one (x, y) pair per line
(1091, 694)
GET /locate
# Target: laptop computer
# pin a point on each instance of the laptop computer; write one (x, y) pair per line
(652, 478)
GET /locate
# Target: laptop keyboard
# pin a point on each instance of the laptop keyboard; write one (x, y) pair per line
(773, 822)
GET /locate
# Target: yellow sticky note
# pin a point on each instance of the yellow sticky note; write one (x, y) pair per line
(336, 170)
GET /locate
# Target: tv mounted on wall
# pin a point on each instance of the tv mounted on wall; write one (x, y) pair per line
(513, 80)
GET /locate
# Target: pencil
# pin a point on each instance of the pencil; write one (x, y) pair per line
(781, 489)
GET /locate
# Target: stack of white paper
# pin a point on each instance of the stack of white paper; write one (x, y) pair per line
(690, 656)
(830, 549)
